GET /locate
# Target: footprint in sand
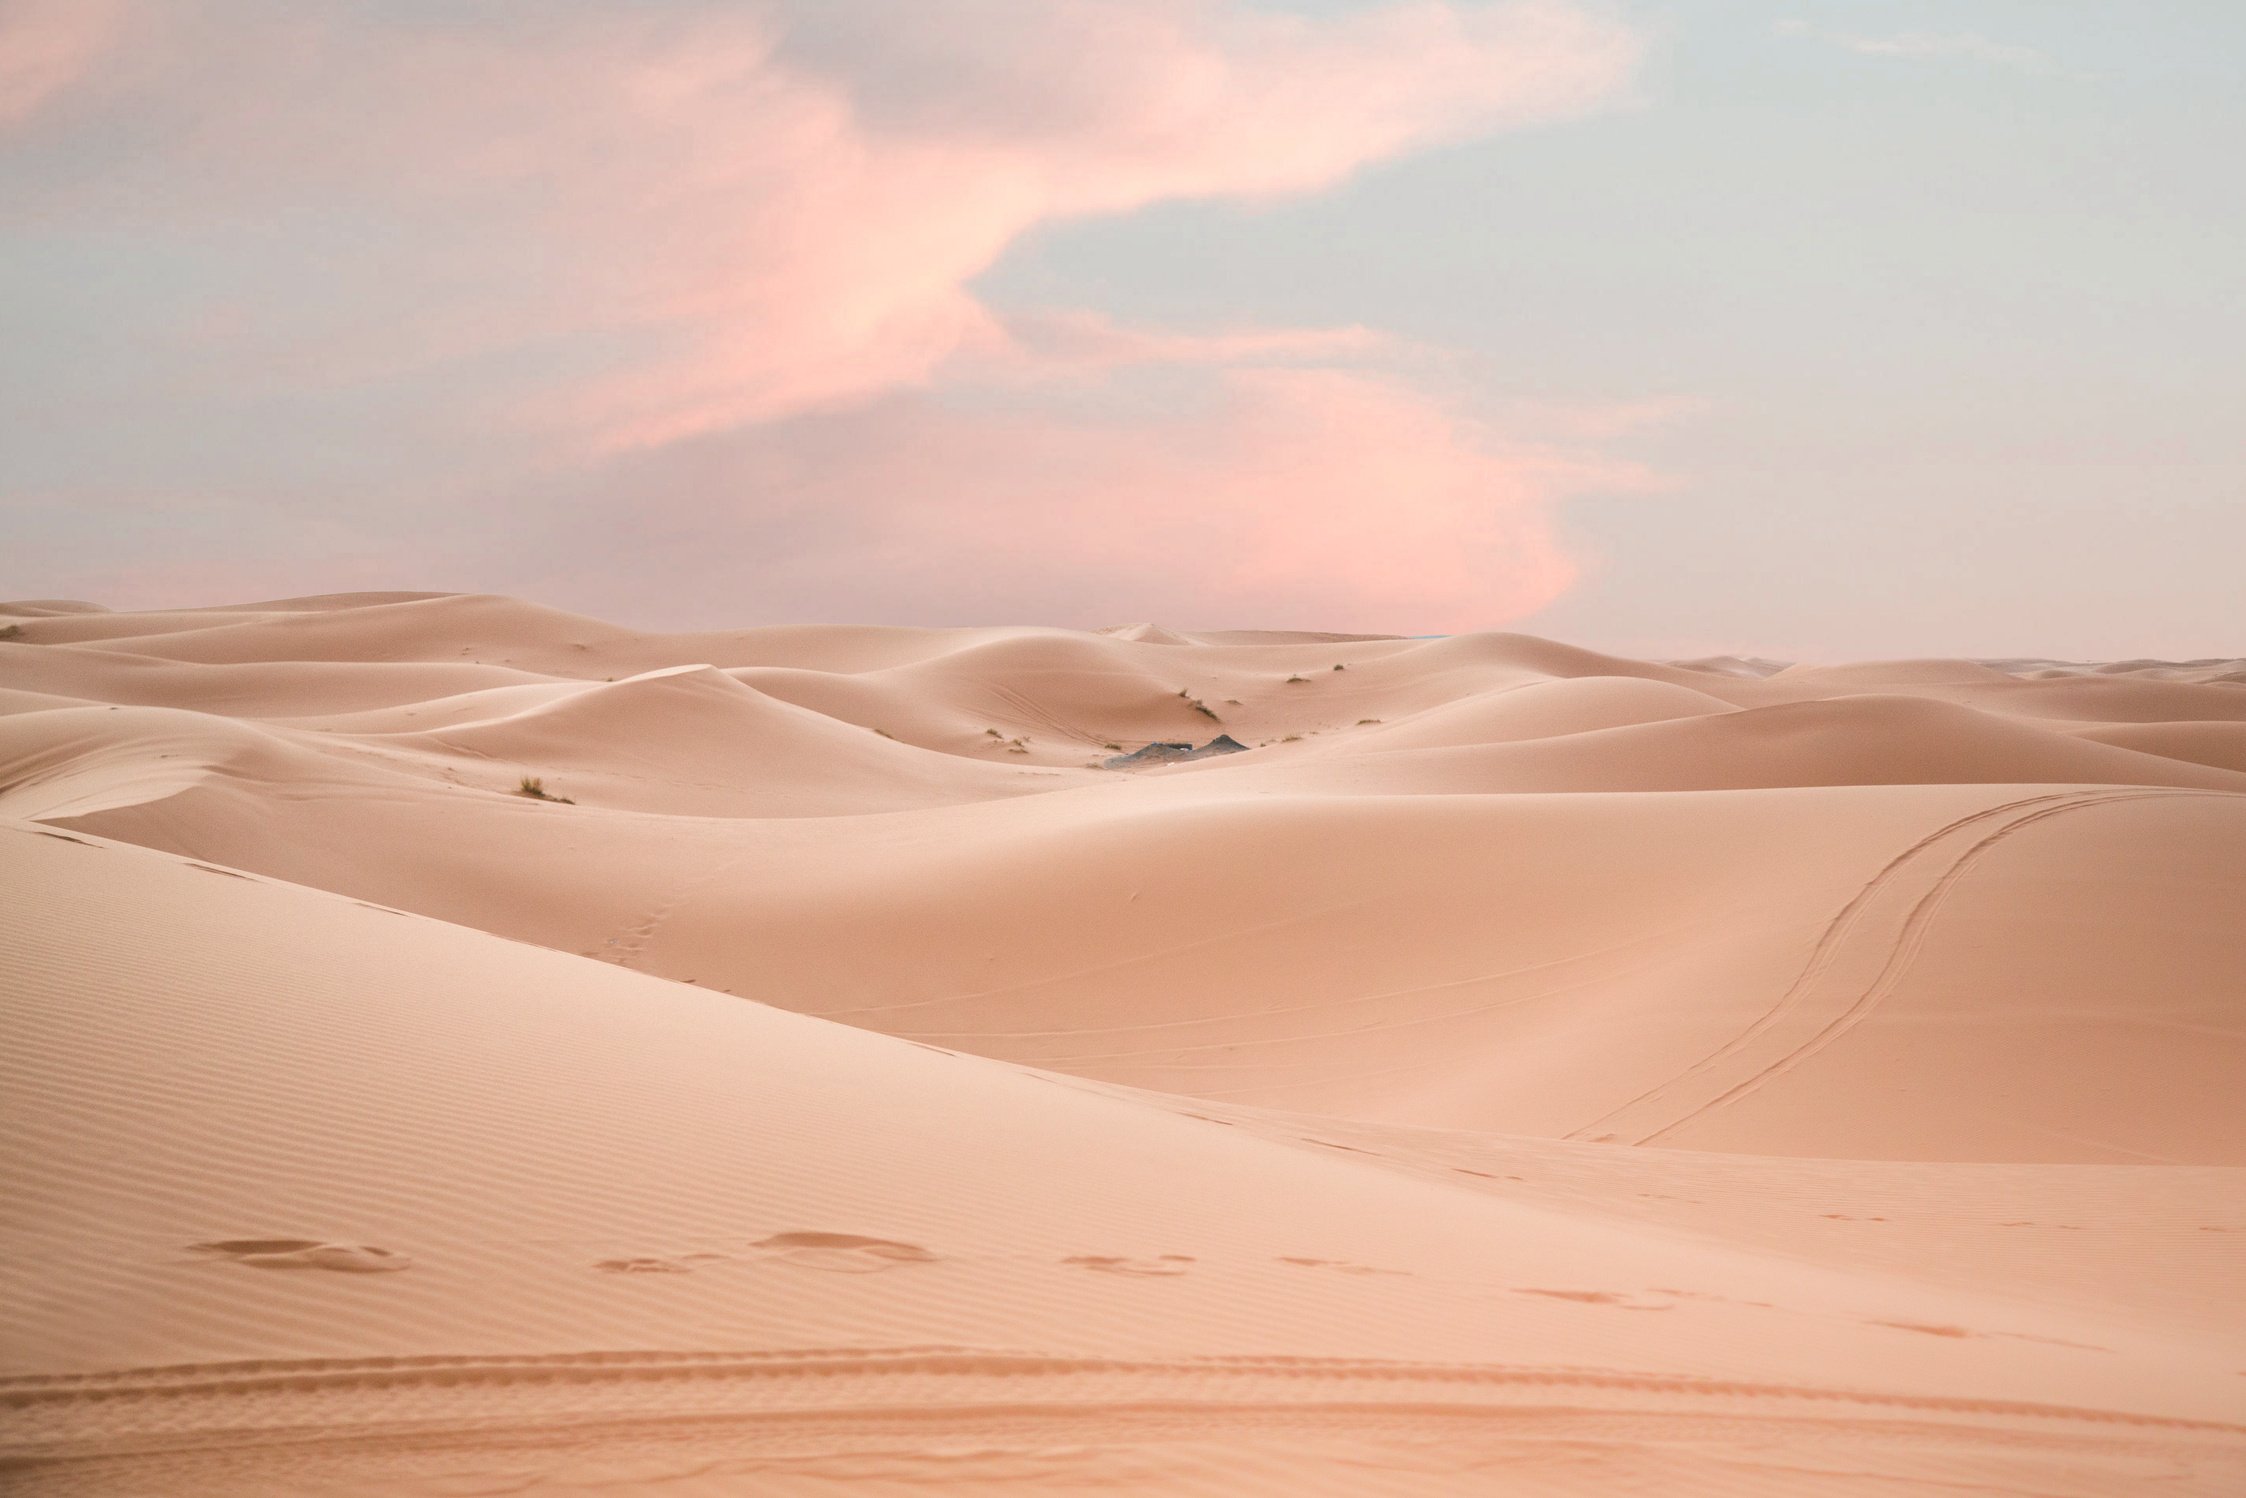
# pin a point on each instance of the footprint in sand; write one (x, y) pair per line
(841, 1253)
(642, 1266)
(304, 1253)
(1933, 1329)
(1340, 1266)
(1925, 1328)
(1162, 1264)
(1598, 1298)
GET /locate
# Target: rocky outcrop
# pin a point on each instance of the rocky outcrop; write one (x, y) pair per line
(1172, 753)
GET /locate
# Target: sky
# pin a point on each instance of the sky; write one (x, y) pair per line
(1811, 329)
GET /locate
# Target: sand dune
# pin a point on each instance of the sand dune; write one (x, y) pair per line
(1846, 741)
(1541, 710)
(2221, 745)
(691, 739)
(1525, 1070)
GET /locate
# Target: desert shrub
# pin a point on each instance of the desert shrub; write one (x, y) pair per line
(1198, 705)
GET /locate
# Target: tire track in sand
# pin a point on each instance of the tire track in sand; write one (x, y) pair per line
(1910, 936)
(1821, 956)
(1797, 1007)
(456, 1375)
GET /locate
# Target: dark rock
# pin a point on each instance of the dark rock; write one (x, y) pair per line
(1152, 754)
(1174, 753)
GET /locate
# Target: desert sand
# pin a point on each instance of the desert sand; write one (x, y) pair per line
(1523, 1071)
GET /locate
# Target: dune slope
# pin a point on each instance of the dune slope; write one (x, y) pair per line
(289, 1196)
(1525, 1070)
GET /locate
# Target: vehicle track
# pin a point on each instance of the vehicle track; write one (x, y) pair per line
(1822, 952)
(1837, 942)
(1909, 938)
(1106, 1378)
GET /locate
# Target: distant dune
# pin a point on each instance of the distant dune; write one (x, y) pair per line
(1522, 1071)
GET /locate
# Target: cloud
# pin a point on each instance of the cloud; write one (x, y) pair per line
(1267, 496)
(1046, 344)
(1251, 496)
(46, 47)
(696, 223)
(527, 247)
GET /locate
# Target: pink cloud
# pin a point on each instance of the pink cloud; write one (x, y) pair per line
(46, 46)
(832, 253)
(709, 270)
(708, 228)
(1314, 497)
(1054, 344)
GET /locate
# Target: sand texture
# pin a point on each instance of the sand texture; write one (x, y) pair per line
(1523, 1071)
